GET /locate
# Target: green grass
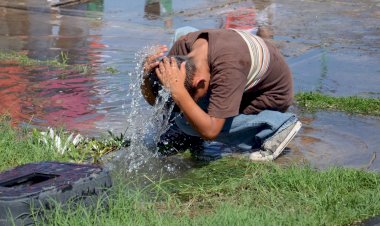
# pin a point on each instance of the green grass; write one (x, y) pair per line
(59, 62)
(312, 101)
(238, 192)
(19, 146)
(261, 194)
(21, 58)
(230, 191)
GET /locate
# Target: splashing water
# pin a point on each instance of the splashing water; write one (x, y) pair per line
(145, 124)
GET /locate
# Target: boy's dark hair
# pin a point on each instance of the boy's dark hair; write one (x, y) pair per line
(190, 71)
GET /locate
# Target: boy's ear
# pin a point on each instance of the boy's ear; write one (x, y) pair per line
(200, 84)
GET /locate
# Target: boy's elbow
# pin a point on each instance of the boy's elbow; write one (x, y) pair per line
(212, 131)
(209, 135)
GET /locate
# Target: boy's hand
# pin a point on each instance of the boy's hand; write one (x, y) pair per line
(172, 77)
(151, 61)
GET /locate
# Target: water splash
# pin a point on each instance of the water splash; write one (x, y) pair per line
(145, 124)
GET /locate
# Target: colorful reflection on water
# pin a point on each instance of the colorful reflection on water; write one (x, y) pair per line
(47, 96)
(40, 95)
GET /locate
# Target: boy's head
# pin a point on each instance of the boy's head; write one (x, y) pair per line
(155, 83)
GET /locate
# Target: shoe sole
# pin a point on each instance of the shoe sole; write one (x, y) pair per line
(288, 138)
(255, 156)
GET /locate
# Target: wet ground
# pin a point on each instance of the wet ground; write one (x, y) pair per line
(331, 47)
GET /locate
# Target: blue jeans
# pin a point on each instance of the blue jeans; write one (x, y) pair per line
(245, 132)
(241, 133)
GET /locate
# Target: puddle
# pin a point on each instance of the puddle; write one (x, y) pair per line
(336, 139)
(331, 47)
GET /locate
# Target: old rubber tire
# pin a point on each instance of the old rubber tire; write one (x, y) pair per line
(39, 185)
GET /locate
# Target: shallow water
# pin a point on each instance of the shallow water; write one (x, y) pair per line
(333, 138)
(331, 47)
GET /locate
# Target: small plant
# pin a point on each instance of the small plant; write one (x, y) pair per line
(111, 70)
(84, 69)
(98, 148)
(78, 148)
(62, 142)
(64, 57)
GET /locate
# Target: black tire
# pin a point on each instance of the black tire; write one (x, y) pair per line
(37, 186)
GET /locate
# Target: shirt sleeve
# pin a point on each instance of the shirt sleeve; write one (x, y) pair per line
(174, 50)
(183, 45)
(179, 47)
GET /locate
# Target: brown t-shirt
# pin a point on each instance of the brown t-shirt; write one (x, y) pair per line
(229, 62)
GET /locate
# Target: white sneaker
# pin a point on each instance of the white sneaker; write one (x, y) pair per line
(273, 146)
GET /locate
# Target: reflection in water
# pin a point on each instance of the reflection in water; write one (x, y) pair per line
(159, 8)
(324, 70)
(13, 82)
(90, 6)
(256, 19)
(242, 18)
(42, 94)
